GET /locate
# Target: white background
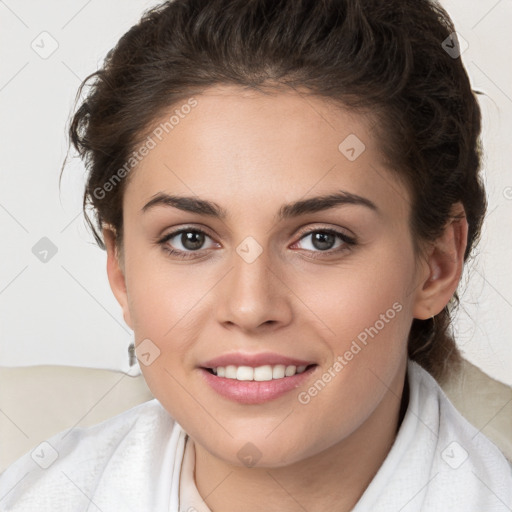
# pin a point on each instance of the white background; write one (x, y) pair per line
(63, 311)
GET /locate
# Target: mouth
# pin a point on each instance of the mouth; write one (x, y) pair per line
(256, 385)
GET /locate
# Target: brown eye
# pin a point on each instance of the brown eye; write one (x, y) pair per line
(324, 240)
(183, 243)
(192, 240)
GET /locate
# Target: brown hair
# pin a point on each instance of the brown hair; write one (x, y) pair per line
(387, 59)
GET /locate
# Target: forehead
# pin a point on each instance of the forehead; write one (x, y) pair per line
(237, 146)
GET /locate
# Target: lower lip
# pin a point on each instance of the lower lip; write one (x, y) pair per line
(255, 392)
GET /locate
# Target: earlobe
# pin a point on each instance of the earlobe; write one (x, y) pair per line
(116, 274)
(445, 262)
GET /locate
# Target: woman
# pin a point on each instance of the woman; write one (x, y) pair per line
(287, 192)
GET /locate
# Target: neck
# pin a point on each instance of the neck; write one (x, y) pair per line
(333, 479)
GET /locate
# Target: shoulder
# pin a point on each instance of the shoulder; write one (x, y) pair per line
(73, 461)
(452, 423)
(462, 452)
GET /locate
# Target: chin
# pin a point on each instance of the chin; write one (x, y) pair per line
(258, 451)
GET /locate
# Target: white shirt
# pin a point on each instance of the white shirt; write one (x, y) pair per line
(143, 461)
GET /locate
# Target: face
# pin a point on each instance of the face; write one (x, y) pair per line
(330, 286)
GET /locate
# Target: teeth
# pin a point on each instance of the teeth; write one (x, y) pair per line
(290, 370)
(230, 372)
(244, 373)
(278, 371)
(260, 373)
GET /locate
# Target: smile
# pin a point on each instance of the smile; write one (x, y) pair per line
(259, 374)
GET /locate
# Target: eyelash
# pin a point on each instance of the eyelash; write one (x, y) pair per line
(349, 242)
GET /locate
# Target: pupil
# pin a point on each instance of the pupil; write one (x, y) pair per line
(192, 240)
(323, 240)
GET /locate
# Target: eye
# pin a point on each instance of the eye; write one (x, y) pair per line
(325, 240)
(190, 239)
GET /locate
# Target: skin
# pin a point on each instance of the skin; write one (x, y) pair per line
(251, 153)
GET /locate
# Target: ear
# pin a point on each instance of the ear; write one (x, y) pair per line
(440, 277)
(116, 273)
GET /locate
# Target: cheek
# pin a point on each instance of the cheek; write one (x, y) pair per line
(161, 295)
(353, 297)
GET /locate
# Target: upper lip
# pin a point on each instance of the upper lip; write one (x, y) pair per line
(254, 360)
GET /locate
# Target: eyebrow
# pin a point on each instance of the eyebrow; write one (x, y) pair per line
(287, 211)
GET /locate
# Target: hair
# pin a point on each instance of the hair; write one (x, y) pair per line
(386, 60)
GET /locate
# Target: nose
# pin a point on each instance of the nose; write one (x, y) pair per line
(254, 295)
